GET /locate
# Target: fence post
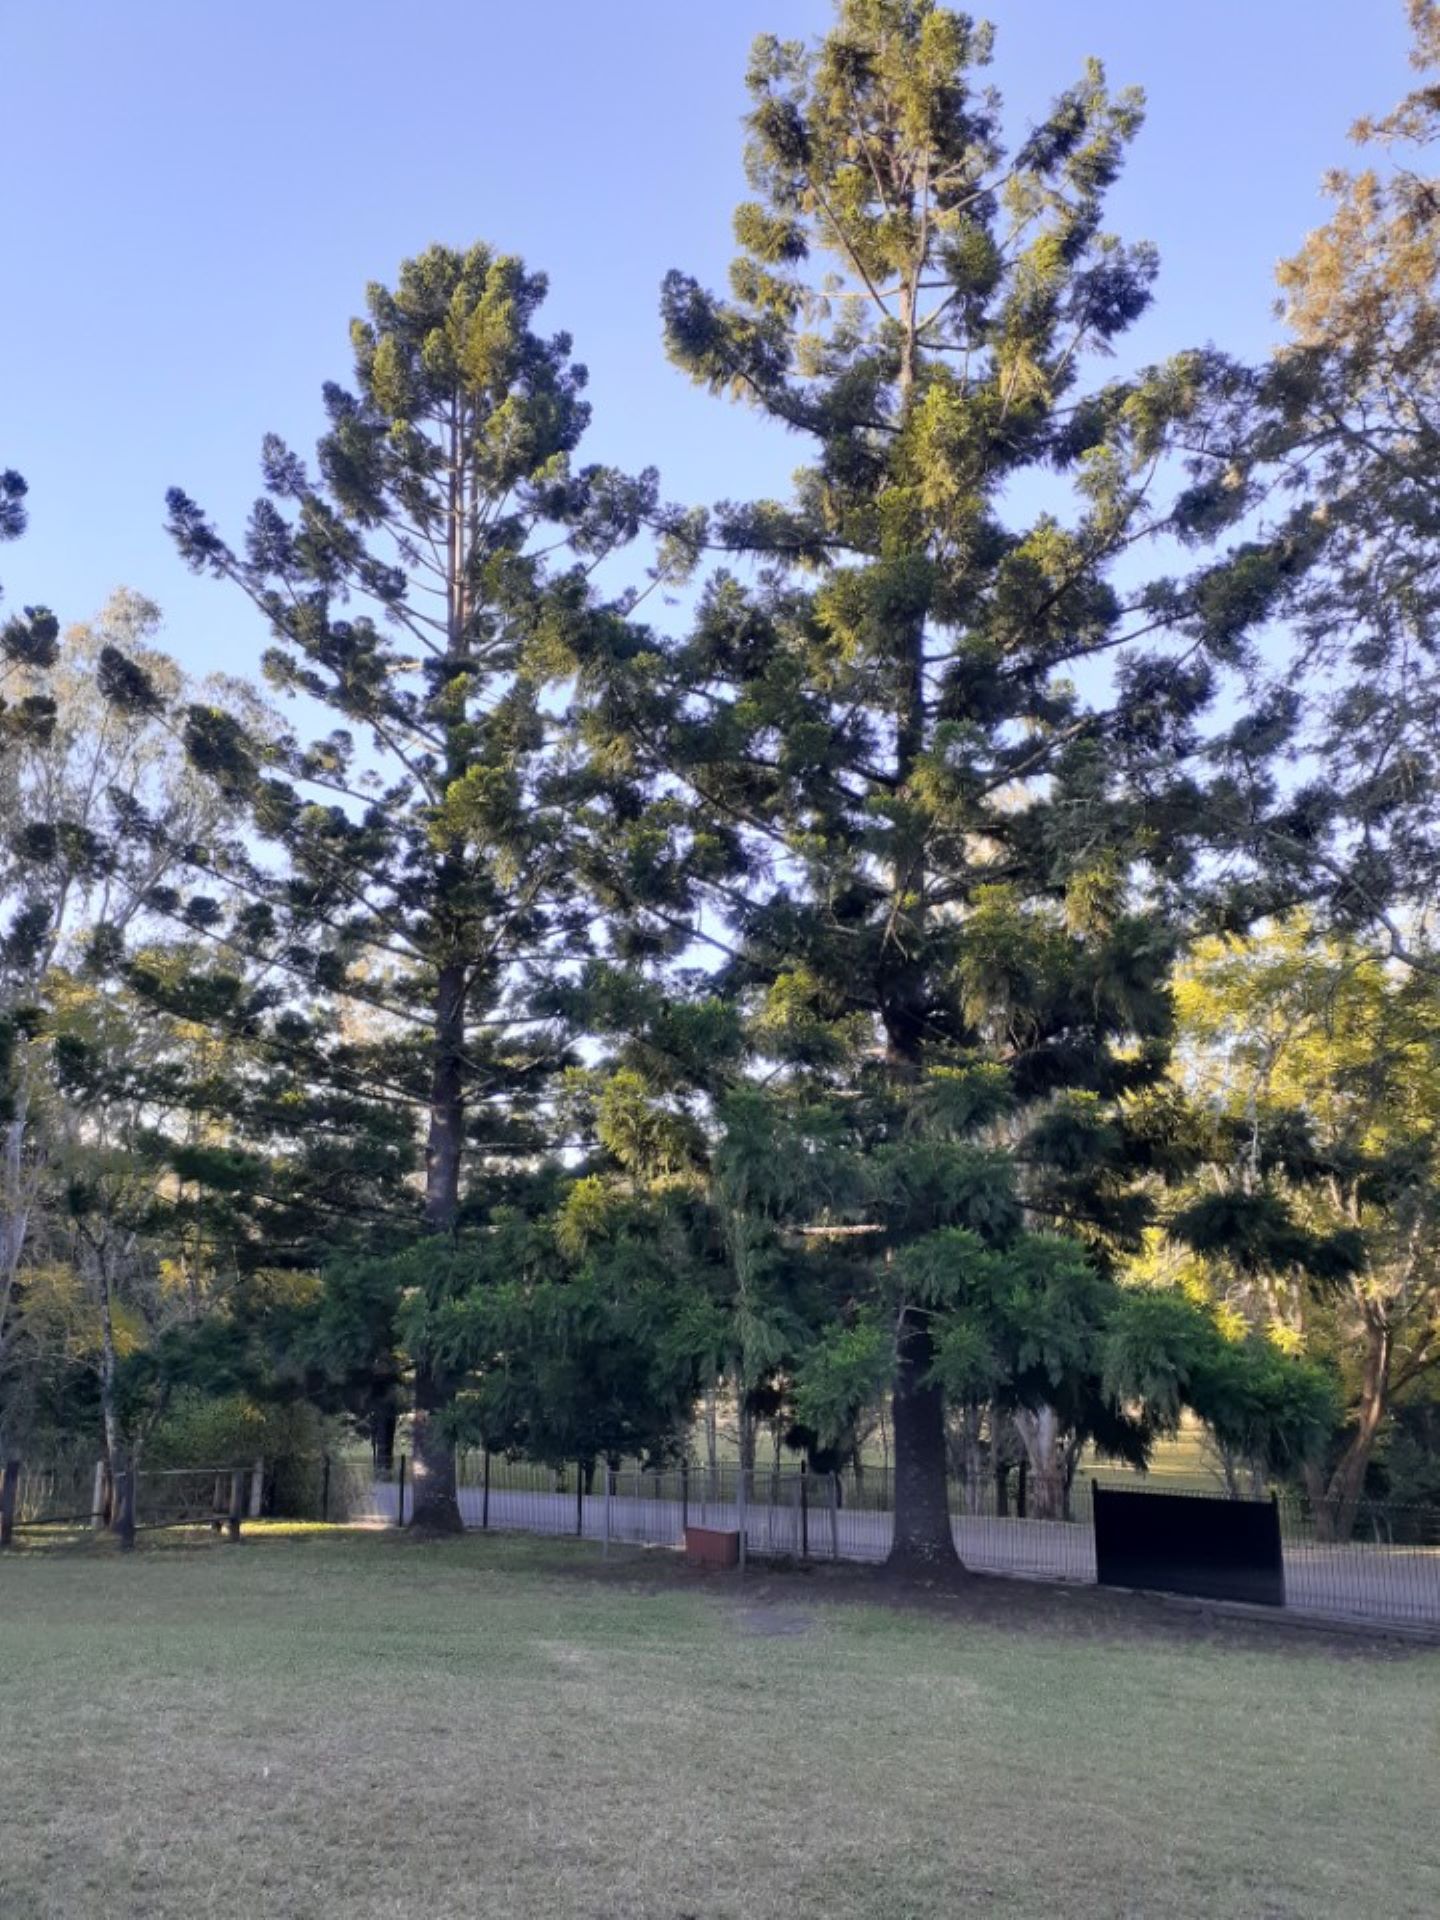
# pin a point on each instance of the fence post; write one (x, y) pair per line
(579, 1499)
(98, 1496)
(325, 1489)
(400, 1493)
(605, 1549)
(9, 1495)
(804, 1514)
(485, 1494)
(684, 1493)
(834, 1516)
(257, 1490)
(217, 1504)
(741, 1513)
(237, 1502)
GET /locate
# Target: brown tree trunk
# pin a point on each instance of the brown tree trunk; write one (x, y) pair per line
(924, 1542)
(1335, 1511)
(747, 1433)
(447, 1101)
(436, 1503)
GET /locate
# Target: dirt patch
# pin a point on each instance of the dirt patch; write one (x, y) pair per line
(774, 1623)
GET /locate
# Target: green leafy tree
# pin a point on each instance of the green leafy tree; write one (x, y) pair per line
(945, 885)
(412, 587)
(1317, 1216)
(571, 1337)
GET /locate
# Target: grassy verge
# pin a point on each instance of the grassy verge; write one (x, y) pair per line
(327, 1725)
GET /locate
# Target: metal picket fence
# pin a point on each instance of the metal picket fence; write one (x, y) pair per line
(1387, 1571)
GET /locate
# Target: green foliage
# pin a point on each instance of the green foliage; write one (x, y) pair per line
(947, 890)
(200, 1430)
(1315, 1067)
(846, 1371)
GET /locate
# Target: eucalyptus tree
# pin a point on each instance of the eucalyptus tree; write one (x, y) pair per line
(77, 883)
(932, 784)
(1337, 438)
(423, 584)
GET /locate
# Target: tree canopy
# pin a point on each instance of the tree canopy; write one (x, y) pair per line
(948, 946)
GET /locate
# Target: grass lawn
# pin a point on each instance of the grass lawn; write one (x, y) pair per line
(334, 1726)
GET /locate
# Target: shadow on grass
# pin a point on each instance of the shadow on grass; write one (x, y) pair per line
(783, 1597)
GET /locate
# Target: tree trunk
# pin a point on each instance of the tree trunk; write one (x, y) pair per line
(123, 1504)
(966, 1458)
(98, 1259)
(1049, 1491)
(747, 1436)
(447, 1101)
(924, 1542)
(1335, 1510)
(436, 1504)
(1041, 1435)
(1071, 1461)
(122, 1458)
(383, 1421)
(712, 1442)
(14, 1219)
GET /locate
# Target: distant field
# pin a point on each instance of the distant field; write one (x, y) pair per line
(361, 1727)
(1182, 1461)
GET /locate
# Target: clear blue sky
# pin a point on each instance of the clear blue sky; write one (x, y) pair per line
(198, 190)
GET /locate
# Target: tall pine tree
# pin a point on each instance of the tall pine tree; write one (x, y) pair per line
(935, 781)
(410, 588)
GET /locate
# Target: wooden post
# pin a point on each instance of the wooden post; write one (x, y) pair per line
(237, 1502)
(834, 1516)
(9, 1498)
(400, 1494)
(325, 1489)
(485, 1493)
(217, 1504)
(100, 1495)
(606, 1530)
(804, 1514)
(579, 1500)
(257, 1489)
(684, 1494)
